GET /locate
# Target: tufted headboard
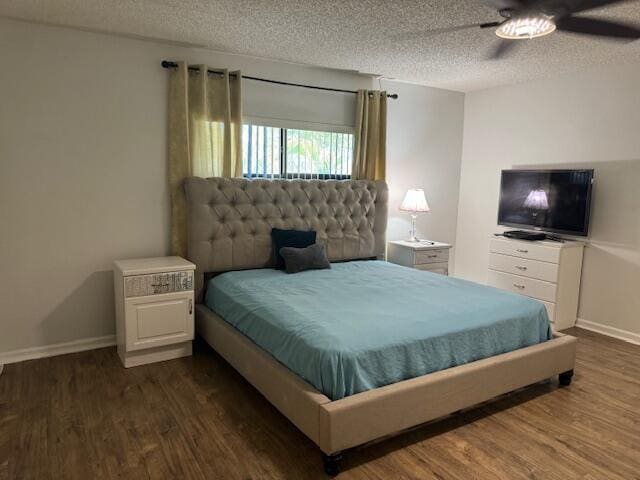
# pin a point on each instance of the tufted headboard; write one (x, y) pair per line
(230, 219)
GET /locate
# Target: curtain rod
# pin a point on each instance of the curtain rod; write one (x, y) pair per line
(169, 64)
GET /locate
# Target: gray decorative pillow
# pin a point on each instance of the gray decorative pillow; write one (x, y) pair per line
(308, 258)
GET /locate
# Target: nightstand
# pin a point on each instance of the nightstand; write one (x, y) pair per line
(154, 309)
(423, 255)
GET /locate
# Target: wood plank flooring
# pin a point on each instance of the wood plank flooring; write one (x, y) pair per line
(84, 416)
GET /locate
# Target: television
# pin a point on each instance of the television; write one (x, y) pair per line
(555, 201)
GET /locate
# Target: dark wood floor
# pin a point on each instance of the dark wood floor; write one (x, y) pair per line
(84, 416)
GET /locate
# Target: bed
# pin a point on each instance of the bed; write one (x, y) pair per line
(365, 349)
(402, 323)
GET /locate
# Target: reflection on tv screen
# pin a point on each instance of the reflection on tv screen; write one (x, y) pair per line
(552, 200)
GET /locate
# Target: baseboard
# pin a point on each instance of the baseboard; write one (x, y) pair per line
(110, 340)
(57, 349)
(608, 331)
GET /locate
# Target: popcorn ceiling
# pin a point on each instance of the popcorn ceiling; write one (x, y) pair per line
(373, 36)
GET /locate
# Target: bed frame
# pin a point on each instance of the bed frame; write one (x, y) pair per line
(229, 225)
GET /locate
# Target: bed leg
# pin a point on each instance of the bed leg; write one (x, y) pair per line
(565, 378)
(331, 463)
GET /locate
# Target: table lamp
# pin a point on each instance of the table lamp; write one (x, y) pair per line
(414, 202)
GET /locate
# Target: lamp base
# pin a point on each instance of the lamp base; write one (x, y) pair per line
(413, 238)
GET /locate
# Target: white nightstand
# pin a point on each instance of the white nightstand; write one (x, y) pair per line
(424, 255)
(154, 309)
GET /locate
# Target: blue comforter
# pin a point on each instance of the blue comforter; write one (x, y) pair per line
(365, 324)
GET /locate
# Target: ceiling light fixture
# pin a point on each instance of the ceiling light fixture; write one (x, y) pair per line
(526, 27)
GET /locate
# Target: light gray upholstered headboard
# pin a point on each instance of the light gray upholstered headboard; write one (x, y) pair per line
(230, 219)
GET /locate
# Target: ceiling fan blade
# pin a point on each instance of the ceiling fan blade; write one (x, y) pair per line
(564, 8)
(504, 48)
(575, 6)
(490, 24)
(599, 28)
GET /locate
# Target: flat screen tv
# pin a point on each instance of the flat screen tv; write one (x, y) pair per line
(547, 200)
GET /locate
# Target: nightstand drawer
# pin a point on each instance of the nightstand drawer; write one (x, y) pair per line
(422, 257)
(441, 268)
(525, 250)
(142, 285)
(521, 266)
(522, 285)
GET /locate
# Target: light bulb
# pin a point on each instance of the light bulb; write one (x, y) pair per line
(526, 27)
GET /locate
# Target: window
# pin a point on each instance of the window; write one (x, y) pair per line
(272, 152)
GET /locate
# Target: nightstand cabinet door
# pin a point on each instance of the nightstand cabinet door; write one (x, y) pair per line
(159, 320)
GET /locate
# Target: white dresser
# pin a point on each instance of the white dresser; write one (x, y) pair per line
(424, 255)
(545, 270)
(154, 309)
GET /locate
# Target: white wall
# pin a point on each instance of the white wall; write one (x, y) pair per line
(589, 120)
(83, 163)
(83, 170)
(424, 147)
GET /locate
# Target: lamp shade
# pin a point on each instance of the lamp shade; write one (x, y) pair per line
(415, 201)
(537, 200)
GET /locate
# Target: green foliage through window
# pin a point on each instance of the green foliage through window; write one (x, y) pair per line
(291, 153)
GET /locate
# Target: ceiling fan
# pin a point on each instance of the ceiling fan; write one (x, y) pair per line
(526, 19)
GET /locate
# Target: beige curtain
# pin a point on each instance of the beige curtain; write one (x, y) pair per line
(369, 159)
(205, 135)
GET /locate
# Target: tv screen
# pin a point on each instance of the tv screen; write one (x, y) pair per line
(548, 200)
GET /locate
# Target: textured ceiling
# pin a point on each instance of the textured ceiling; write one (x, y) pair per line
(370, 36)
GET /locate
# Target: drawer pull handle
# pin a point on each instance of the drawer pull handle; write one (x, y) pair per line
(520, 267)
(517, 285)
(190, 306)
(522, 250)
(433, 256)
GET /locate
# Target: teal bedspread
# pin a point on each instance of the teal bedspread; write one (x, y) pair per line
(365, 324)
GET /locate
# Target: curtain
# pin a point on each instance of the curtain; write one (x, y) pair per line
(205, 135)
(369, 159)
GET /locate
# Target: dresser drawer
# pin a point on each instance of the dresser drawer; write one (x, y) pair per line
(529, 250)
(523, 285)
(431, 256)
(522, 266)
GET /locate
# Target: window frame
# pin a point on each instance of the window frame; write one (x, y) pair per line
(285, 125)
